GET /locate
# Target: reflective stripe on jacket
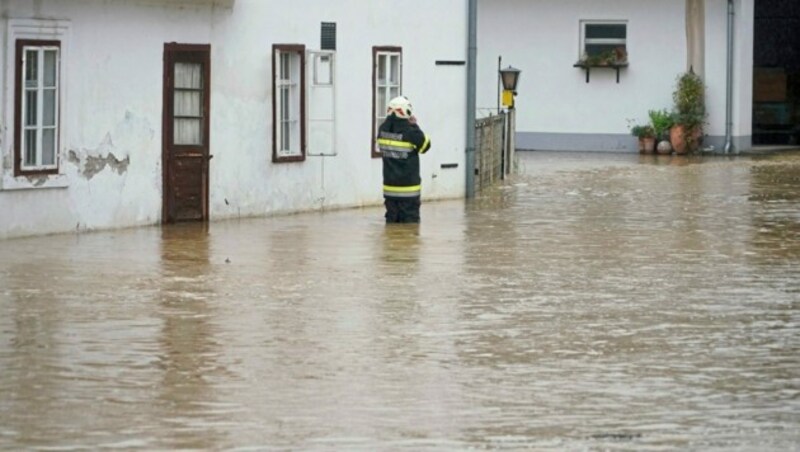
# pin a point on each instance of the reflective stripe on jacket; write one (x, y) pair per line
(400, 143)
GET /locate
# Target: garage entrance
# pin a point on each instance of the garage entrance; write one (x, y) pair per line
(776, 73)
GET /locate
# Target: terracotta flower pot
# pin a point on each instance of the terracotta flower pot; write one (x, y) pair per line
(677, 136)
(648, 145)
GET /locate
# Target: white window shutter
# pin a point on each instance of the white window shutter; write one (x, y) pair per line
(321, 101)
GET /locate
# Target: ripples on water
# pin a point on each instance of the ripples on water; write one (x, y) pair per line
(593, 302)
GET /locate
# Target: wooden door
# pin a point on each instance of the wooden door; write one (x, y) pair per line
(185, 154)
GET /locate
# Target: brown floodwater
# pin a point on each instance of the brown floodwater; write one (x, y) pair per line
(594, 301)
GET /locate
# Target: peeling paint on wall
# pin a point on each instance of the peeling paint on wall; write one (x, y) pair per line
(130, 134)
(91, 165)
(37, 181)
(91, 162)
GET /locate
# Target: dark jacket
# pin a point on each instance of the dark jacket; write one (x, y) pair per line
(401, 143)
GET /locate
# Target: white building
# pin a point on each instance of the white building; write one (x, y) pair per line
(560, 107)
(113, 109)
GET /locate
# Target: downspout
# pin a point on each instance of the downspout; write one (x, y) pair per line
(472, 52)
(729, 82)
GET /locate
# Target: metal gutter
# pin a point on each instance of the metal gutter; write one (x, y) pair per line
(472, 53)
(729, 82)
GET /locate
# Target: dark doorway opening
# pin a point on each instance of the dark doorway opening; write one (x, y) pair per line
(776, 73)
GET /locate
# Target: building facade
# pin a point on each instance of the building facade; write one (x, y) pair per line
(562, 107)
(120, 113)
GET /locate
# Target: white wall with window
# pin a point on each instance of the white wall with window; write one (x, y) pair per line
(559, 110)
(82, 103)
(338, 167)
(97, 163)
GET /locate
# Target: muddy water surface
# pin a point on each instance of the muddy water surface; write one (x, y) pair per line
(593, 302)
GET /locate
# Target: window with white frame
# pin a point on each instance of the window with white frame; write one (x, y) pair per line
(288, 104)
(604, 40)
(36, 133)
(387, 64)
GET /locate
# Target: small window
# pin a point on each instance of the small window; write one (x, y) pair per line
(387, 82)
(328, 36)
(604, 41)
(37, 92)
(288, 100)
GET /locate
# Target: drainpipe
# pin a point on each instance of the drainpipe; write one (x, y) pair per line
(729, 93)
(472, 52)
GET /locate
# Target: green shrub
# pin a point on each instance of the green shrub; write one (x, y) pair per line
(661, 120)
(643, 131)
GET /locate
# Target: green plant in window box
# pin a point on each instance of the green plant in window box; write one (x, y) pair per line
(607, 58)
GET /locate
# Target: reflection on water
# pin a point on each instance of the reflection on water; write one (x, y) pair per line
(593, 302)
(187, 343)
(400, 244)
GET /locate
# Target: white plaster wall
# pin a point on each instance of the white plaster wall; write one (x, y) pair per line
(243, 93)
(112, 80)
(542, 39)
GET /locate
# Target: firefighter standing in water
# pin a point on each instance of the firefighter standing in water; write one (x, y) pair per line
(400, 141)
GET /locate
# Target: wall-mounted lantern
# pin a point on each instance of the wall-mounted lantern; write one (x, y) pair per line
(509, 76)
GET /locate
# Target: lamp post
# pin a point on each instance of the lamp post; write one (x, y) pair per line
(509, 76)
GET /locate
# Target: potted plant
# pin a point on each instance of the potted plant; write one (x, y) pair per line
(647, 137)
(689, 113)
(662, 122)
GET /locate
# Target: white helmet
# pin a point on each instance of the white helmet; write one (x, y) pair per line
(400, 107)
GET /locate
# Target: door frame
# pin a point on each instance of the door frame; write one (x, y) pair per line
(171, 51)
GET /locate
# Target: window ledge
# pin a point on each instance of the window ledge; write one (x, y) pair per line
(589, 66)
(614, 65)
(8, 183)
